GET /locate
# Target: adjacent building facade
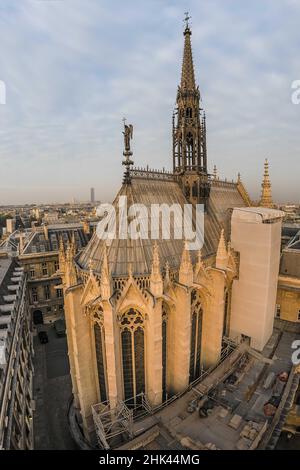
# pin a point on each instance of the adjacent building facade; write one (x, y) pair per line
(38, 254)
(16, 351)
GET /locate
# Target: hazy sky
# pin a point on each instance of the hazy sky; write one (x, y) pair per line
(74, 68)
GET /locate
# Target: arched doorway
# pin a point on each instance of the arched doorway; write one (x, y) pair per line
(38, 318)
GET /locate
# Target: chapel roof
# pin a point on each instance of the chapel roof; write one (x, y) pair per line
(149, 190)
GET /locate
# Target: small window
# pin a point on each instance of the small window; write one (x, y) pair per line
(59, 293)
(277, 311)
(44, 269)
(56, 266)
(298, 315)
(32, 272)
(61, 307)
(47, 292)
(34, 294)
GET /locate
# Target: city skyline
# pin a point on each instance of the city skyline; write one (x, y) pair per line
(61, 126)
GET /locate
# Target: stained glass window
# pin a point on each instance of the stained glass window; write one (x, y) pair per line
(196, 337)
(226, 293)
(139, 360)
(164, 359)
(127, 364)
(132, 334)
(99, 344)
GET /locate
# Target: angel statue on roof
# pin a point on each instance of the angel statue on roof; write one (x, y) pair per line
(128, 134)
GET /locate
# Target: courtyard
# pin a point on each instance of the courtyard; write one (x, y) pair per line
(52, 392)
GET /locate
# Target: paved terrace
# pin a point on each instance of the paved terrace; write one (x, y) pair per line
(237, 420)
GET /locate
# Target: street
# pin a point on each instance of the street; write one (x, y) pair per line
(52, 392)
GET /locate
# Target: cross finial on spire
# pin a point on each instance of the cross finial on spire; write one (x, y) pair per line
(187, 17)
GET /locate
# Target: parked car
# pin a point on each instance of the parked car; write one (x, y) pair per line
(60, 327)
(43, 337)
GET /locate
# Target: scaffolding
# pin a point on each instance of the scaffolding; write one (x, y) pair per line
(111, 422)
(119, 420)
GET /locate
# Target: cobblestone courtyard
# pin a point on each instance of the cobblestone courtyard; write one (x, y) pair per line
(52, 392)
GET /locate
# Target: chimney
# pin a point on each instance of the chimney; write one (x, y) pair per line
(46, 232)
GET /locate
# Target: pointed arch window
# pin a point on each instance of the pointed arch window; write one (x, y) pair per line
(100, 352)
(196, 336)
(189, 149)
(226, 312)
(133, 352)
(189, 113)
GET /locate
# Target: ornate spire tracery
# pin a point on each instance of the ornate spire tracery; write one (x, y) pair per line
(189, 128)
(266, 194)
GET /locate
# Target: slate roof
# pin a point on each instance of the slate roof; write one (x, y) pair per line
(223, 197)
(39, 244)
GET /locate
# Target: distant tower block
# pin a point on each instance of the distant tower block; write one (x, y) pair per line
(92, 195)
(256, 236)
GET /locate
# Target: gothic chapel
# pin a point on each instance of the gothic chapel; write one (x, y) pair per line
(145, 317)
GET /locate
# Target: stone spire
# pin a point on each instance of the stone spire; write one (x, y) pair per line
(187, 71)
(105, 266)
(266, 193)
(167, 274)
(156, 283)
(186, 267)
(71, 248)
(66, 262)
(189, 131)
(222, 254)
(105, 277)
(199, 266)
